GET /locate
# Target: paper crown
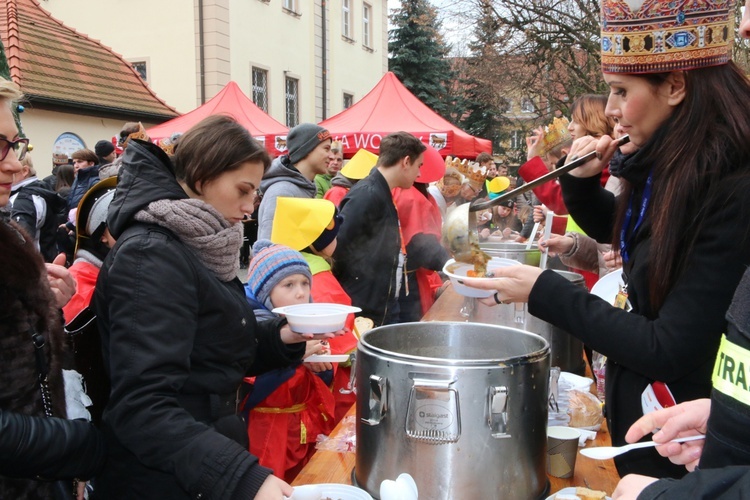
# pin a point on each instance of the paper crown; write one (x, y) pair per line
(360, 165)
(433, 167)
(298, 222)
(555, 133)
(653, 36)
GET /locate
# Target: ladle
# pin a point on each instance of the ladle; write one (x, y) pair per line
(460, 228)
(605, 452)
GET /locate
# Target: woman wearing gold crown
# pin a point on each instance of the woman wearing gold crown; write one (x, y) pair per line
(680, 221)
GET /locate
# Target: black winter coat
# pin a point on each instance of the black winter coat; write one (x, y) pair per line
(369, 243)
(675, 344)
(24, 213)
(728, 434)
(32, 444)
(177, 342)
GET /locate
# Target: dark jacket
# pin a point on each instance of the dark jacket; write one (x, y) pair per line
(728, 435)
(84, 180)
(28, 201)
(177, 342)
(675, 344)
(366, 258)
(31, 444)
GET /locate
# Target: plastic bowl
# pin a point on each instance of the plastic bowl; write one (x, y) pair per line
(458, 272)
(317, 317)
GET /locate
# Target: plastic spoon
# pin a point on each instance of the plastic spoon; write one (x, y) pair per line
(605, 452)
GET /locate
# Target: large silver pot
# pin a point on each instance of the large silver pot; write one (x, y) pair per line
(512, 250)
(566, 351)
(462, 407)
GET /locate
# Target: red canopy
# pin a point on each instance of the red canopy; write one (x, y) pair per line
(390, 107)
(233, 102)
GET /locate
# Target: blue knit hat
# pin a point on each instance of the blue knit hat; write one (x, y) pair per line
(272, 263)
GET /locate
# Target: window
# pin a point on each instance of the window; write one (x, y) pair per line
(366, 28)
(516, 138)
(290, 5)
(527, 105)
(346, 19)
(348, 100)
(260, 88)
(292, 102)
(141, 68)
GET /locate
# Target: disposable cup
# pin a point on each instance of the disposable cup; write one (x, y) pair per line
(562, 449)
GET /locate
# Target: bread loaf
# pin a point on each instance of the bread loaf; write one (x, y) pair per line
(585, 409)
(362, 325)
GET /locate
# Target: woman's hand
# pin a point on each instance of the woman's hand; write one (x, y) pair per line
(605, 147)
(631, 486)
(60, 281)
(556, 244)
(512, 283)
(534, 143)
(612, 259)
(685, 419)
(274, 488)
(290, 337)
(540, 213)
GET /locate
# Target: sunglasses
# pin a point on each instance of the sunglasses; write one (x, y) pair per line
(20, 147)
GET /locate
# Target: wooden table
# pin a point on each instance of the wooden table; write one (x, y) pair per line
(332, 467)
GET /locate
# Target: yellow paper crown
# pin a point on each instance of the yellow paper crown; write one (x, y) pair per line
(360, 165)
(474, 173)
(297, 222)
(555, 133)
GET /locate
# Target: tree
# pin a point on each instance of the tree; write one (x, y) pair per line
(418, 55)
(485, 100)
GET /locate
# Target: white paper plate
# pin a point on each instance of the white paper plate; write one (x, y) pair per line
(332, 490)
(608, 286)
(567, 491)
(327, 358)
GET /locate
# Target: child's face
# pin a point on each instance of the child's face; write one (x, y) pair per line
(503, 211)
(292, 290)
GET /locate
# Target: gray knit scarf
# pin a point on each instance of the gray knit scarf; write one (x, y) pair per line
(202, 228)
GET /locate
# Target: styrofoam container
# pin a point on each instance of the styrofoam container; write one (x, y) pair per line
(316, 317)
(459, 272)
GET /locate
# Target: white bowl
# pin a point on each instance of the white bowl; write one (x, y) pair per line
(459, 272)
(316, 317)
(329, 490)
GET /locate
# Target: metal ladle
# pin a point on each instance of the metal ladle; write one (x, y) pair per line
(460, 228)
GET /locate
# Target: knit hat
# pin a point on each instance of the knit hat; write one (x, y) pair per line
(651, 36)
(103, 148)
(360, 165)
(272, 263)
(433, 167)
(303, 138)
(301, 222)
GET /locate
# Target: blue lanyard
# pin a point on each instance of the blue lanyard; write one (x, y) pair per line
(624, 240)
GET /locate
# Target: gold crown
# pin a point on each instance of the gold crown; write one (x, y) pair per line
(555, 133)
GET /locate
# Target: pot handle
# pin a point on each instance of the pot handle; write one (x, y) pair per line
(498, 412)
(378, 400)
(433, 415)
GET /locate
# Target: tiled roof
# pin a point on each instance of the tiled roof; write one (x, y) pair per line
(56, 65)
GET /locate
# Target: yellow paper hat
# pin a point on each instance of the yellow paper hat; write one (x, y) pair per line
(298, 222)
(360, 165)
(499, 184)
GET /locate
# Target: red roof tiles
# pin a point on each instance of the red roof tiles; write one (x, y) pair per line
(56, 65)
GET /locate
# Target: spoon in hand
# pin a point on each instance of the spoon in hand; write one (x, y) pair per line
(605, 452)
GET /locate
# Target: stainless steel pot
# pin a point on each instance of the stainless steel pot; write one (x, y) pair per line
(566, 351)
(462, 407)
(512, 250)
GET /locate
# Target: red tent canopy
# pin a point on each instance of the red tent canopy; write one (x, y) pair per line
(390, 107)
(233, 102)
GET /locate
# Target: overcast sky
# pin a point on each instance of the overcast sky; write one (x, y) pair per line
(454, 28)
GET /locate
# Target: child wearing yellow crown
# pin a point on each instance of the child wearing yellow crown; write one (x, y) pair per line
(311, 226)
(680, 224)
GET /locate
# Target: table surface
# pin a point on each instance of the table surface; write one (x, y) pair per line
(333, 467)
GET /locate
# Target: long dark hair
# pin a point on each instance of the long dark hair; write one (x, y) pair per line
(706, 139)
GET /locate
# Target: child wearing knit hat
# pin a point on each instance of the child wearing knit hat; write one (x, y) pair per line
(291, 405)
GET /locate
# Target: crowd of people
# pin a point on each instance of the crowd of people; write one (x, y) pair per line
(138, 364)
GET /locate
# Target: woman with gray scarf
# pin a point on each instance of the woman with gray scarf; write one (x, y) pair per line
(177, 333)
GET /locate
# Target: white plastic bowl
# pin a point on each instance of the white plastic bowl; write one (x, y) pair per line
(458, 274)
(316, 317)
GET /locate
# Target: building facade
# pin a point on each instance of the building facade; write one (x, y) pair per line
(299, 60)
